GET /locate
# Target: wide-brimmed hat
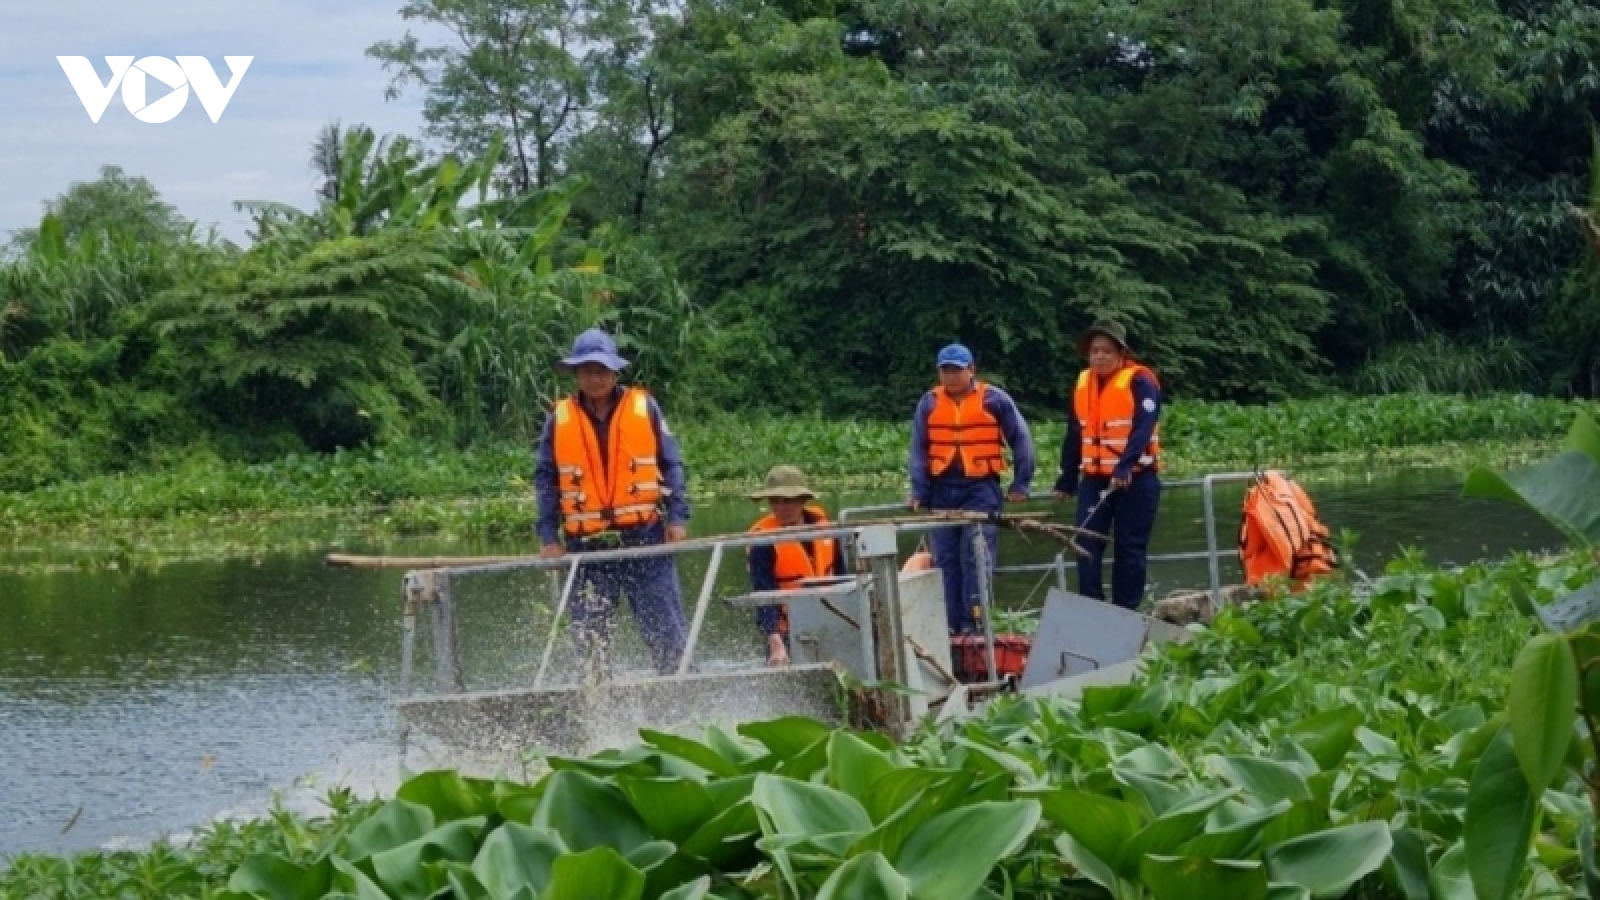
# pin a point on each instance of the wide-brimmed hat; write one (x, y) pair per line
(1107, 327)
(594, 346)
(784, 483)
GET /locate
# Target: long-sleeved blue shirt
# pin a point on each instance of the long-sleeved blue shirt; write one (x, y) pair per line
(764, 574)
(1013, 428)
(547, 485)
(1146, 412)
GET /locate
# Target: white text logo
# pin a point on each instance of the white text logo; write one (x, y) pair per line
(134, 78)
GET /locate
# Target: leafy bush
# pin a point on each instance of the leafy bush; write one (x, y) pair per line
(1319, 745)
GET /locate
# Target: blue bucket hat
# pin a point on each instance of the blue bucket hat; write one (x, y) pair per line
(594, 346)
(955, 355)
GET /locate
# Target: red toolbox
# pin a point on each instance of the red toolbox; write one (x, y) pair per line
(971, 667)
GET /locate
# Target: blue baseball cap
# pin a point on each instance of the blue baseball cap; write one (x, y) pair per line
(594, 346)
(955, 355)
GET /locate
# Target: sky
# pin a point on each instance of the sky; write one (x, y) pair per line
(310, 69)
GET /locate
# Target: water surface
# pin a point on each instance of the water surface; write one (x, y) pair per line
(147, 703)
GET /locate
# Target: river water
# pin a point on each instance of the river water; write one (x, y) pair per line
(136, 705)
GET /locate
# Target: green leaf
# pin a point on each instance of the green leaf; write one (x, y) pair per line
(587, 813)
(1407, 868)
(647, 856)
(802, 765)
(1327, 863)
(1156, 797)
(731, 748)
(1449, 878)
(514, 857)
(865, 877)
(353, 882)
(1166, 834)
(1087, 863)
(449, 795)
(1543, 707)
(691, 751)
(1586, 855)
(598, 874)
(951, 855)
(403, 872)
(398, 822)
(854, 766)
(893, 790)
(1151, 759)
(1267, 780)
(1501, 812)
(1102, 825)
(672, 808)
(727, 838)
(1584, 435)
(1562, 490)
(939, 797)
(801, 808)
(1329, 735)
(464, 885)
(1191, 878)
(1303, 818)
(786, 737)
(280, 879)
(694, 890)
(1230, 836)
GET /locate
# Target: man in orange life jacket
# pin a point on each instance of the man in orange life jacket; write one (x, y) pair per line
(958, 435)
(606, 463)
(781, 567)
(1113, 439)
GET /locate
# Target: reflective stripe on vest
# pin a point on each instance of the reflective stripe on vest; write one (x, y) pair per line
(1105, 412)
(967, 428)
(793, 564)
(624, 492)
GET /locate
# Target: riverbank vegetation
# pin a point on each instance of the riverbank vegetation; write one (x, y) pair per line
(1325, 745)
(784, 208)
(204, 507)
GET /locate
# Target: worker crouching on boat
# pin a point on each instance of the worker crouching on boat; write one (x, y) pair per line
(1113, 441)
(606, 465)
(959, 433)
(781, 567)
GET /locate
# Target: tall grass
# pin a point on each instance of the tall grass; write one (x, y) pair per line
(1438, 365)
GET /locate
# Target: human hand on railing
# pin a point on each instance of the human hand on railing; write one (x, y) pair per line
(552, 551)
(1016, 497)
(915, 504)
(676, 533)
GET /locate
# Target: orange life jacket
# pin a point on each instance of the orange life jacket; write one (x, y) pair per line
(793, 563)
(1279, 533)
(964, 427)
(1105, 417)
(620, 494)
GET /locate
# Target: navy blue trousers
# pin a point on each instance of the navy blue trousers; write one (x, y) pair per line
(1128, 516)
(953, 550)
(651, 588)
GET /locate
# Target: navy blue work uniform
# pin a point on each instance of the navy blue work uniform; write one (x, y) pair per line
(1127, 515)
(650, 584)
(953, 489)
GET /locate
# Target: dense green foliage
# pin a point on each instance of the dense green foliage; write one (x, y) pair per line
(486, 487)
(785, 207)
(1272, 196)
(1326, 740)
